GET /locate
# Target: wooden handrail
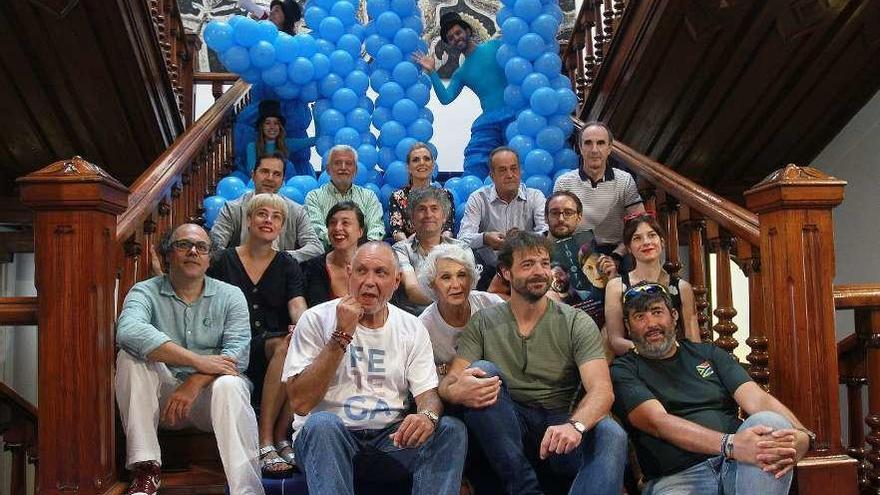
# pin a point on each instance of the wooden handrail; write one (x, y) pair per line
(154, 183)
(732, 217)
(211, 77)
(20, 403)
(18, 310)
(852, 296)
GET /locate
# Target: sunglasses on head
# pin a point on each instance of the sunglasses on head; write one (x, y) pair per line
(643, 289)
(640, 214)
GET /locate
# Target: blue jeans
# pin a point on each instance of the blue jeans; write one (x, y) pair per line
(508, 432)
(720, 476)
(327, 452)
(487, 133)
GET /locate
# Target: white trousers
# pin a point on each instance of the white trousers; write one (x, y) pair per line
(143, 388)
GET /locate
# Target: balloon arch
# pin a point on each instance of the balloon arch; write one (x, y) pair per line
(327, 67)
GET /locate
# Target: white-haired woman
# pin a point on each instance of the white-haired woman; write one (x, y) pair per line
(271, 281)
(449, 275)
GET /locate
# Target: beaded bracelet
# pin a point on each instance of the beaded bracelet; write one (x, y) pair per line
(342, 339)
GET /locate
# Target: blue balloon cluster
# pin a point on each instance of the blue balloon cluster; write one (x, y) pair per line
(394, 33)
(537, 89)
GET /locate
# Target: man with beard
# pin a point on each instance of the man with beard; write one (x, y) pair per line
(542, 351)
(680, 402)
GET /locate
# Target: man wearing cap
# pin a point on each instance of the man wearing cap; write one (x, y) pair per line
(680, 402)
(297, 235)
(481, 73)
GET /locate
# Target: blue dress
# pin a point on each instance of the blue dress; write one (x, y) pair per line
(290, 169)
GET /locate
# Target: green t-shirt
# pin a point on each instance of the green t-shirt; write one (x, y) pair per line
(542, 369)
(696, 384)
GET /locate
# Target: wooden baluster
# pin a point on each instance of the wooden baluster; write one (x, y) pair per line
(579, 81)
(598, 37)
(217, 89)
(749, 261)
(608, 20)
(695, 226)
(589, 63)
(670, 209)
(649, 196)
(187, 192)
(131, 267)
(855, 417)
(619, 8)
(868, 326)
(722, 242)
(149, 242)
(165, 220)
(178, 210)
(18, 466)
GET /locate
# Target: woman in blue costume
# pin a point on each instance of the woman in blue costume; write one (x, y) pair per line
(271, 137)
(481, 73)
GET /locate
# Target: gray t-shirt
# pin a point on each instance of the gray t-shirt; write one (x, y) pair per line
(541, 369)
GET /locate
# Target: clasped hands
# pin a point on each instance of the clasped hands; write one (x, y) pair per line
(774, 451)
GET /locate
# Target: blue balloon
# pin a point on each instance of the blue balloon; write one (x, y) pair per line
(348, 136)
(301, 70)
(358, 82)
(313, 16)
(425, 113)
(563, 122)
(344, 11)
(522, 145)
(323, 144)
(362, 176)
(386, 156)
(369, 138)
(513, 97)
(530, 123)
(513, 29)
(381, 115)
(530, 46)
(321, 106)
(561, 82)
(331, 121)
(230, 187)
(373, 187)
(351, 44)
(305, 45)
(330, 84)
(366, 103)
(304, 183)
(532, 82)
(293, 194)
(403, 8)
(376, 7)
(373, 43)
(452, 185)
(459, 211)
(388, 23)
(421, 129)
(545, 25)
(237, 59)
(405, 73)
(387, 190)
(551, 139)
(391, 133)
(284, 48)
(419, 93)
(359, 119)
(509, 133)
(567, 100)
(504, 54)
(565, 159)
(247, 32)
(542, 183)
(368, 155)
(331, 29)
(389, 56)
(527, 9)
(253, 75)
(378, 78)
(468, 185)
(321, 64)
(309, 92)
(345, 100)
(414, 22)
(403, 147)
(389, 94)
(341, 62)
(396, 175)
(405, 111)
(538, 162)
(544, 101)
(357, 30)
(267, 30)
(558, 173)
(517, 69)
(241, 175)
(406, 39)
(502, 15)
(554, 11)
(213, 204)
(548, 64)
(488, 181)
(275, 75)
(219, 36)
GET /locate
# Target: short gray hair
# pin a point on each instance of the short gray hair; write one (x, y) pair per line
(340, 148)
(428, 270)
(419, 196)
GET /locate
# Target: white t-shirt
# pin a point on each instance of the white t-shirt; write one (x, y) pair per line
(444, 337)
(379, 370)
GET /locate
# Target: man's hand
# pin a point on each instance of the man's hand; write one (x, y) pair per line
(472, 390)
(415, 430)
(180, 403)
(560, 439)
(493, 239)
(426, 61)
(745, 443)
(348, 312)
(215, 365)
(781, 449)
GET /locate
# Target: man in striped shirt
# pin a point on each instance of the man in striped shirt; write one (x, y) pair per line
(607, 193)
(342, 166)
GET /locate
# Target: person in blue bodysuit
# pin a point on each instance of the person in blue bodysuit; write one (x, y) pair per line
(271, 137)
(481, 73)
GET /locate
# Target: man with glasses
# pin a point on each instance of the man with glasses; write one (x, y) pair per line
(680, 402)
(184, 340)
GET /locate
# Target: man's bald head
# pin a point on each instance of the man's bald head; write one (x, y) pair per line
(374, 275)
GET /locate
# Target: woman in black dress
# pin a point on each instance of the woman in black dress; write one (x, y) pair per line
(272, 284)
(327, 275)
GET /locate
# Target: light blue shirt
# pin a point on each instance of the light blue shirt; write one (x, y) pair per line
(216, 323)
(486, 212)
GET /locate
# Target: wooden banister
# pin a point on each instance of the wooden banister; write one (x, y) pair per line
(18, 310)
(852, 296)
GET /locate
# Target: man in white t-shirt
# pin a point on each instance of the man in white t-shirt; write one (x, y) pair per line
(351, 367)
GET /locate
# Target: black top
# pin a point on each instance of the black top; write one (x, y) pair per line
(267, 299)
(696, 384)
(317, 281)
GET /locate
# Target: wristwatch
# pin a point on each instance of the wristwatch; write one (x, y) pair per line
(431, 415)
(812, 437)
(578, 426)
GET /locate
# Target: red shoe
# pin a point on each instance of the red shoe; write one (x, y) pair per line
(146, 479)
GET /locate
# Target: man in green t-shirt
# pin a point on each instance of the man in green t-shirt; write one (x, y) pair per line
(542, 351)
(680, 402)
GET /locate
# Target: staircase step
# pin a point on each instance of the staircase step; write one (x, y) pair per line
(199, 479)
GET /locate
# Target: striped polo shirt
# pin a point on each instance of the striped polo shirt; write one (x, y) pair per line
(605, 202)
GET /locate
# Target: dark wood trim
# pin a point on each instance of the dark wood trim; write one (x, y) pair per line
(18, 310)
(852, 296)
(210, 77)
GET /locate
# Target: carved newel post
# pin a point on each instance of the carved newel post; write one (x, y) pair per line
(797, 259)
(75, 205)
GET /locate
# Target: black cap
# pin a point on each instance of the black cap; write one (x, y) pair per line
(270, 108)
(292, 13)
(450, 19)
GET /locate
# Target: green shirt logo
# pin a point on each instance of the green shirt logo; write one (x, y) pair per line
(705, 369)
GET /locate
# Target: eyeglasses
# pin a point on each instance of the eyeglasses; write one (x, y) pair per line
(184, 245)
(564, 214)
(643, 289)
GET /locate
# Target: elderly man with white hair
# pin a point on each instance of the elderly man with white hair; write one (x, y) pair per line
(342, 165)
